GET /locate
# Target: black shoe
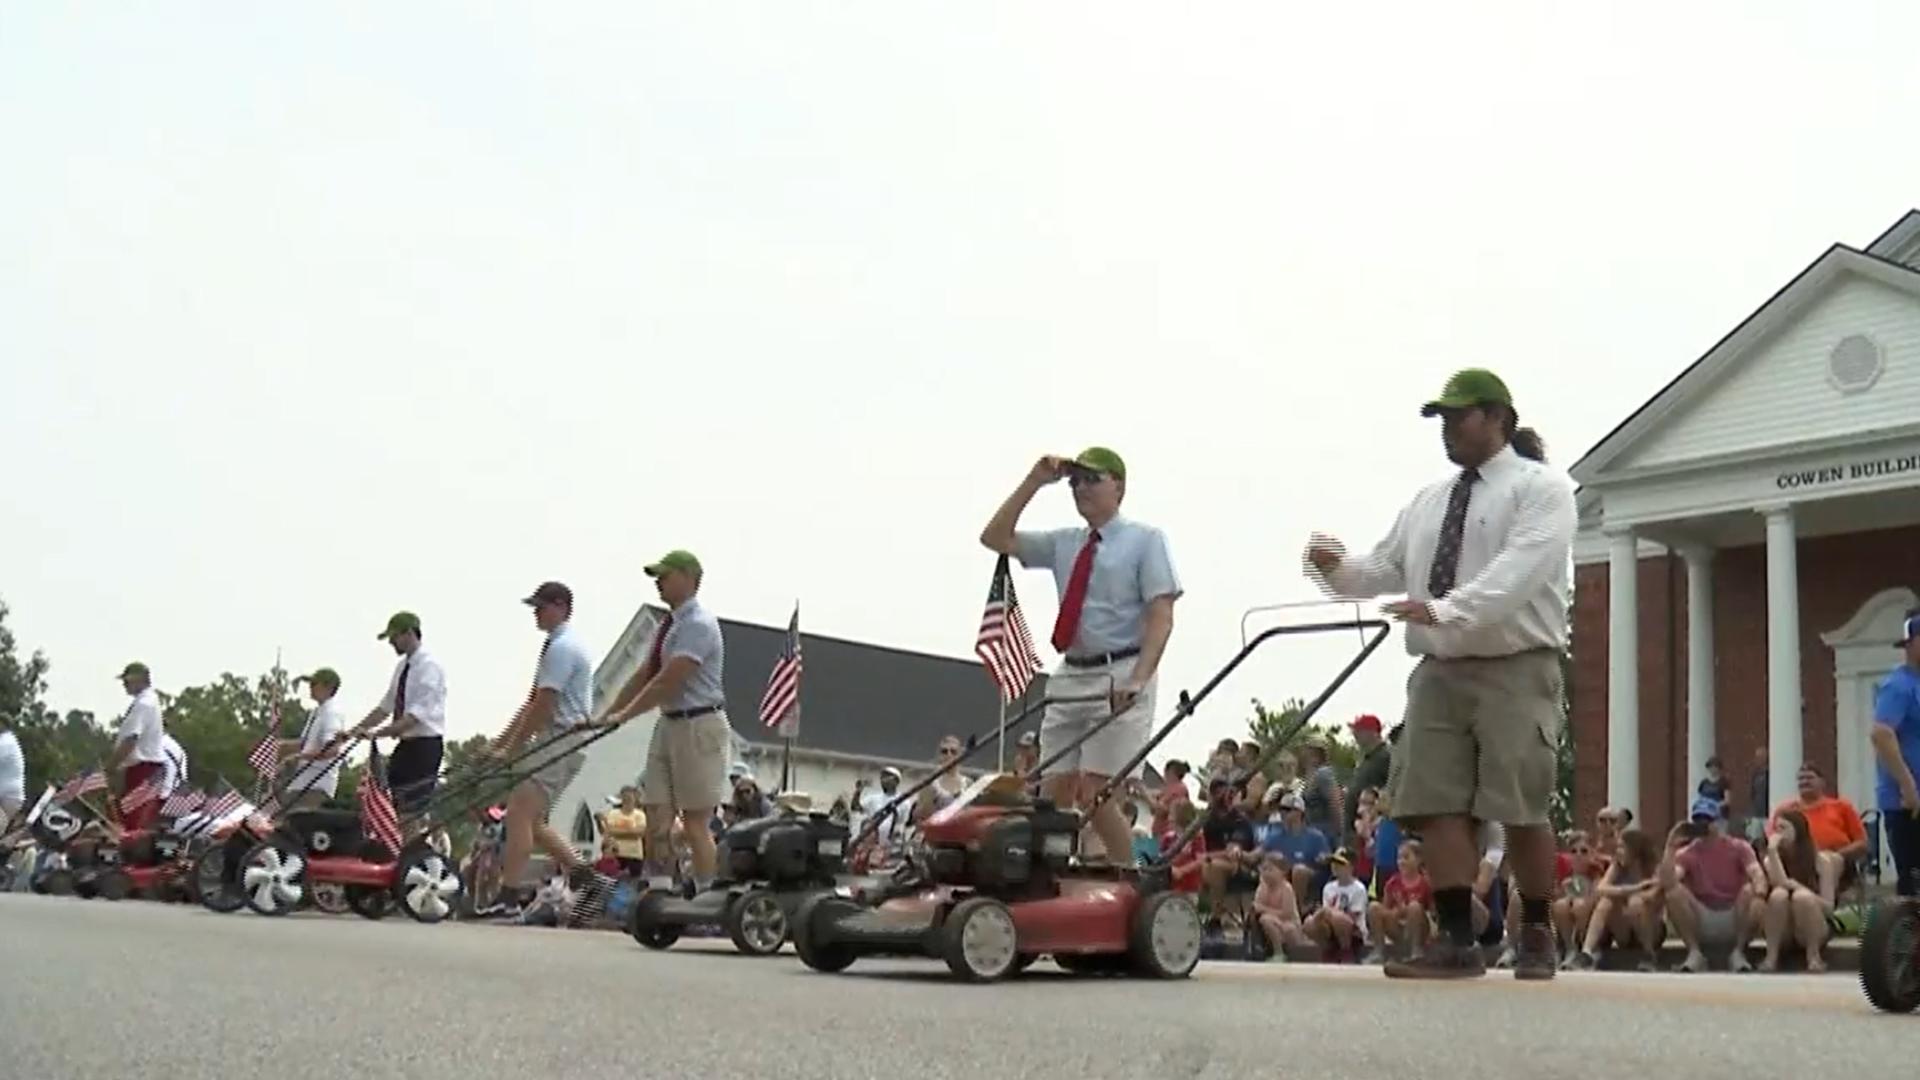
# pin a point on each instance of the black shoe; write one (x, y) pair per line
(1442, 959)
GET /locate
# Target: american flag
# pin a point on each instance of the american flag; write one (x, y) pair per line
(182, 803)
(780, 705)
(147, 792)
(266, 755)
(215, 811)
(88, 782)
(1005, 645)
(376, 806)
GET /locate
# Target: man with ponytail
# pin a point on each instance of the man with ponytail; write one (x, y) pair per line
(1483, 559)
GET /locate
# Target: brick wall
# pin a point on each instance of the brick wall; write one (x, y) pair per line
(1837, 575)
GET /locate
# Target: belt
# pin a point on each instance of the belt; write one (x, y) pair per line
(1101, 659)
(688, 714)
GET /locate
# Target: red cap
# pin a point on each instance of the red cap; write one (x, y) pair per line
(1366, 722)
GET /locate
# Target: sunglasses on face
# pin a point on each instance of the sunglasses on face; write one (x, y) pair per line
(1084, 477)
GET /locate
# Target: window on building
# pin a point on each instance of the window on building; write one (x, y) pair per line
(583, 825)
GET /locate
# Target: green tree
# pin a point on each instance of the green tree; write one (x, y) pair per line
(55, 746)
(1267, 726)
(220, 722)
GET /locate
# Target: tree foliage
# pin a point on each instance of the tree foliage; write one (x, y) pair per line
(56, 746)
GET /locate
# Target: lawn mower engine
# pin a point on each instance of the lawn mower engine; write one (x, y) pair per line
(1009, 852)
(768, 867)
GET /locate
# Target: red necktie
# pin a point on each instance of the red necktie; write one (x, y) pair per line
(660, 643)
(1067, 623)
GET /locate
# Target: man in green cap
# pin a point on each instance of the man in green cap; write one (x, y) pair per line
(316, 752)
(416, 700)
(683, 676)
(1117, 588)
(140, 745)
(1483, 558)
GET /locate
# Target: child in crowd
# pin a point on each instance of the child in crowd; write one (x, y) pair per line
(1578, 869)
(1186, 863)
(1340, 926)
(1399, 919)
(1715, 785)
(1276, 909)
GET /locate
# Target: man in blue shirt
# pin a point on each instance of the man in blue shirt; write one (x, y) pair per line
(1307, 849)
(1117, 589)
(541, 741)
(1896, 742)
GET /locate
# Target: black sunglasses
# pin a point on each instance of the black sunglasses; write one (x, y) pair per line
(1079, 476)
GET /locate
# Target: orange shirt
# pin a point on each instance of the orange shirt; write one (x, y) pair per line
(1832, 820)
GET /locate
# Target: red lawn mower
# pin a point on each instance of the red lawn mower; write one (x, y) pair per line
(996, 884)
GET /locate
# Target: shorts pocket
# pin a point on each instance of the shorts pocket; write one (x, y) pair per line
(712, 736)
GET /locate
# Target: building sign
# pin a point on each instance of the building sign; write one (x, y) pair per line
(1843, 472)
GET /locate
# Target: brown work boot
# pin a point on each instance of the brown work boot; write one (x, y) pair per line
(1533, 957)
(1441, 959)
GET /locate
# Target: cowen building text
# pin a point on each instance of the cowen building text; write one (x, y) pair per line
(1852, 470)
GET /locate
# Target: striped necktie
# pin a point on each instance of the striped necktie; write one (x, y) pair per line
(1453, 527)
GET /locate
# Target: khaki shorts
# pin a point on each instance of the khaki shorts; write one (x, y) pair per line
(1480, 739)
(687, 762)
(552, 774)
(1106, 752)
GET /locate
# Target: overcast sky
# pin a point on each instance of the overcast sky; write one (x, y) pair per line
(312, 312)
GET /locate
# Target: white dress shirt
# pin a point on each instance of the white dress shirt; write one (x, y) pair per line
(173, 774)
(322, 774)
(1515, 574)
(426, 695)
(142, 724)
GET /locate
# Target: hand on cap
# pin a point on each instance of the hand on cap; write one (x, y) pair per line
(1050, 468)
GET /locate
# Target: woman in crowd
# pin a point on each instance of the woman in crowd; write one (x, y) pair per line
(1573, 911)
(1796, 914)
(1628, 906)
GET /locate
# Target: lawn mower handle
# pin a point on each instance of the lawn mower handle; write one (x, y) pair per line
(1381, 629)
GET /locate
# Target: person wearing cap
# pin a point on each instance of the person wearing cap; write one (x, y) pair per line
(1340, 926)
(684, 677)
(1308, 850)
(1117, 589)
(416, 704)
(315, 752)
(1483, 559)
(1896, 748)
(1715, 890)
(542, 741)
(139, 749)
(1371, 770)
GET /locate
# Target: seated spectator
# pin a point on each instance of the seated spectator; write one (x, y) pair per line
(1275, 908)
(1340, 926)
(609, 861)
(1796, 914)
(1387, 839)
(1608, 824)
(1839, 836)
(1577, 870)
(1716, 891)
(1366, 822)
(1146, 846)
(1284, 773)
(1398, 921)
(1232, 854)
(1490, 888)
(1306, 848)
(1627, 904)
(1186, 862)
(1220, 766)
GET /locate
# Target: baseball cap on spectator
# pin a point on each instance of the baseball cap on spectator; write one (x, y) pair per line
(1707, 809)
(1366, 722)
(890, 771)
(1291, 801)
(1910, 628)
(1029, 738)
(1341, 857)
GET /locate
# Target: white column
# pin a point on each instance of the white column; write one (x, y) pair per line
(1784, 722)
(1700, 723)
(1623, 669)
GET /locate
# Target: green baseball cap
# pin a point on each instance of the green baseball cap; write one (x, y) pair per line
(327, 676)
(1467, 388)
(1101, 459)
(674, 560)
(401, 622)
(135, 669)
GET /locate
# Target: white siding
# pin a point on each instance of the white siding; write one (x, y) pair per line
(1783, 386)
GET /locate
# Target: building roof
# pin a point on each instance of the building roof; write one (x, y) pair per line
(857, 698)
(1776, 312)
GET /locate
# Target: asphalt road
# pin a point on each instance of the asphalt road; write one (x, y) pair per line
(98, 990)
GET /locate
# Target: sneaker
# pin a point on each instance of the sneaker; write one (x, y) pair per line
(1737, 961)
(1648, 964)
(1582, 961)
(1441, 960)
(1533, 954)
(1695, 963)
(1504, 960)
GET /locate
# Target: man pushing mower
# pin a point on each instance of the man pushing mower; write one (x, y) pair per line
(1117, 588)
